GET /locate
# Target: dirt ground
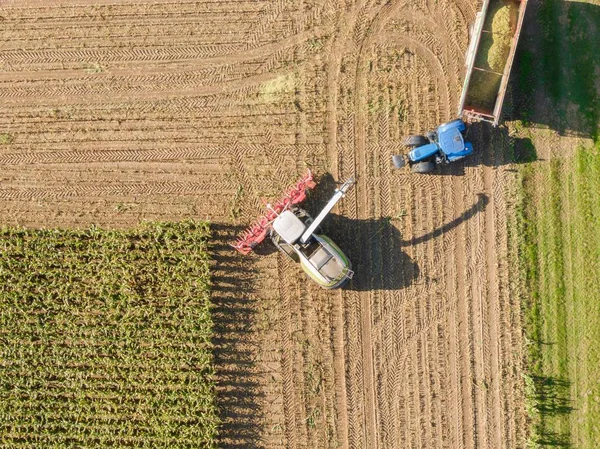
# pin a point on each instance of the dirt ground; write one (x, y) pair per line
(166, 110)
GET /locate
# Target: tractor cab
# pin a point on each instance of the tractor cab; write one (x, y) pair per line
(320, 258)
(452, 142)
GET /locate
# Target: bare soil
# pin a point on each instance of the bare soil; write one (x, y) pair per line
(121, 111)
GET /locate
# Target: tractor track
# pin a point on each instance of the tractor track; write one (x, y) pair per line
(211, 156)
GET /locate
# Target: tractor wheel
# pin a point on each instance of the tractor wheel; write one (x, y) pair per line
(422, 167)
(398, 161)
(415, 141)
(308, 220)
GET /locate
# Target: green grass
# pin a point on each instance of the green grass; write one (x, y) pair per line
(105, 338)
(559, 252)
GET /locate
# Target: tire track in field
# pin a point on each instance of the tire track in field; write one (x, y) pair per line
(197, 152)
(512, 352)
(167, 61)
(120, 189)
(479, 286)
(340, 156)
(290, 363)
(503, 383)
(493, 308)
(463, 323)
(133, 94)
(361, 40)
(365, 43)
(358, 127)
(33, 10)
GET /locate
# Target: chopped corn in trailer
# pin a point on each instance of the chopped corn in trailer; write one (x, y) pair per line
(489, 59)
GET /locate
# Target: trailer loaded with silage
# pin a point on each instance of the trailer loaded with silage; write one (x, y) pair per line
(489, 59)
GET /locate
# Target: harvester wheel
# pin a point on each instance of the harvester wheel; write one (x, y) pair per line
(300, 213)
(415, 141)
(422, 167)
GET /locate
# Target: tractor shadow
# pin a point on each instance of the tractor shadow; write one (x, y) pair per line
(234, 313)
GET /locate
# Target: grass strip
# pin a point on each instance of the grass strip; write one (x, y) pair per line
(558, 234)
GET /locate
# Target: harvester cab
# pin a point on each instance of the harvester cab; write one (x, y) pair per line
(296, 234)
(444, 145)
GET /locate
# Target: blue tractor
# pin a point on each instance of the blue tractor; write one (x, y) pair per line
(444, 145)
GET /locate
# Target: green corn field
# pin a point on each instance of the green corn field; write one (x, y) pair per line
(105, 338)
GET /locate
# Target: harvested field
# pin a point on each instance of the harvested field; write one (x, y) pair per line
(560, 261)
(130, 110)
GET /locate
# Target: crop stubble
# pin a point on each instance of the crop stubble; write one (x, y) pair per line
(168, 110)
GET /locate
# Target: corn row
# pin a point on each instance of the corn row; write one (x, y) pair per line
(105, 338)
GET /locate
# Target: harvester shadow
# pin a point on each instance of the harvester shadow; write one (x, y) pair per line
(238, 393)
(557, 59)
(375, 246)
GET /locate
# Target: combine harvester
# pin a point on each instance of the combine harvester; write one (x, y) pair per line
(490, 55)
(294, 232)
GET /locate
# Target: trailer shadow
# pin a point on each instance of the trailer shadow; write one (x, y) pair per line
(239, 395)
(555, 78)
(495, 147)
